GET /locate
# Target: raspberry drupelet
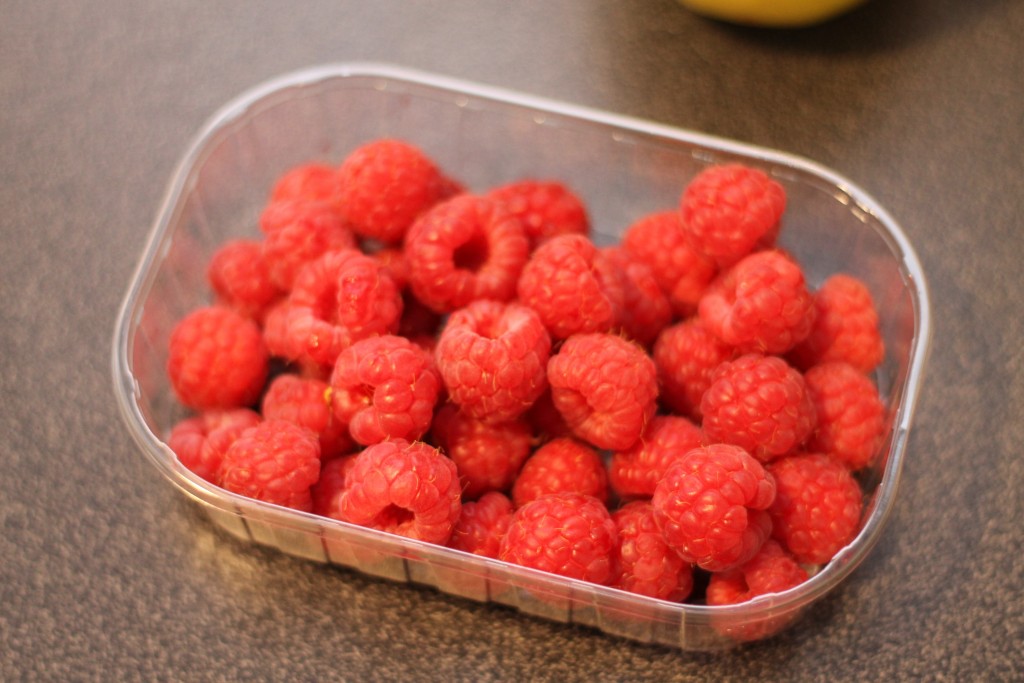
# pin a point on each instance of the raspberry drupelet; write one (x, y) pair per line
(482, 524)
(403, 488)
(686, 355)
(544, 207)
(297, 232)
(636, 471)
(492, 357)
(306, 401)
(239, 277)
(201, 441)
(851, 414)
(313, 181)
(646, 563)
(559, 466)
(276, 461)
(605, 388)
(711, 506)
(464, 249)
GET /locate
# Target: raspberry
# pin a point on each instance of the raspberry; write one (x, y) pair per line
(297, 232)
(818, 506)
(760, 403)
(571, 289)
(568, 534)
(682, 272)
(647, 565)
(605, 387)
(545, 419)
(241, 280)
(216, 359)
(326, 492)
(686, 354)
(276, 461)
(392, 261)
(729, 209)
(544, 207)
(464, 249)
(559, 466)
(307, 403)
(482, 525)
(851, 414)
(309, 182)
(488, 454)
(201, 441)
(492, 357)
(645, 308)
(384, 388)
(403, 488)
(845, 327)
(761, 304)
(297, 334)
(710, 506)
(385, 185)
(636, 471)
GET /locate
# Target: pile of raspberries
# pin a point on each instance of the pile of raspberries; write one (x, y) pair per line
(471, 370)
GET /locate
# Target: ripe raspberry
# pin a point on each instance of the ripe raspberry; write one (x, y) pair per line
(646, 309)
(392, 261)
(384, 388)
(326, 492)
(544, 207)
(851, 414)
(216, 359)
(647, 565)
(385, 185)
(571, 289)
(241, 280)
(488, 454)
(760, 305)
(682, 272)
(636, 471)
(546, 421)
(568, 534)
(309, 182)
(710, 506)
(482, 525)
(686, 354)
(276, 461)
(492, 357)
(605, 387)
(298, 232)
(729, 209)
(760, 403)
(201, 441)
(403, 488)
(307, 403)
(560, 466)
(818, 506)
(845, 327)
(294, 334)
(464, 249)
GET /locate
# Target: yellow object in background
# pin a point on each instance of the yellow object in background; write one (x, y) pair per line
(774, 13)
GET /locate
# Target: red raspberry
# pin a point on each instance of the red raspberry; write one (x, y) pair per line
(645, 308)
(492, 357)
(241, 280)
(326, 492)
(686, 355)
(392, 261)
(636, 471)
(647, 565)
(488, 454)
(545, 419)
(818, 507)
(307, 403)
(296, 334)
(385, 185)
(276, 461)
(216, 359)
(403, 488)
(201, 441)
(681, 271)
(464, 249)
(845, 327)
(729, 209)
(568, 534)
(298, 232)
(760, 403)
(544, 207)
(605, 387)
(571, 289)
(384, 388)
(851, 414)
(482, 525)
(760, 305)
(711, 506)
(309, 182)
(559, 466)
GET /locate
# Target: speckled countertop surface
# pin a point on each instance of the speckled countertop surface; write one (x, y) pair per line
(107, 573)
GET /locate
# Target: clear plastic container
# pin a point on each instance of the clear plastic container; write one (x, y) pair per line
(622, 168)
